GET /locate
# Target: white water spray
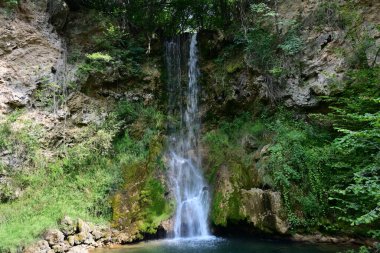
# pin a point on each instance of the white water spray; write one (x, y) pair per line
(189, 187)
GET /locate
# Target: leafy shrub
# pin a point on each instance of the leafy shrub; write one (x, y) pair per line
(295, 166)
(355, 116)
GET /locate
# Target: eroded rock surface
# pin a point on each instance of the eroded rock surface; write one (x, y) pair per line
(29, 50)
(263, 209)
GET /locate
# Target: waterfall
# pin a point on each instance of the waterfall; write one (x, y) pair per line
(186, 178)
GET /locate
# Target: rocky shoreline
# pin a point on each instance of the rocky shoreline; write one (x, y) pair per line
(78, 236)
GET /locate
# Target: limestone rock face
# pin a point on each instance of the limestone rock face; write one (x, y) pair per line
(263, 209)
(59, 11)
(29, 51)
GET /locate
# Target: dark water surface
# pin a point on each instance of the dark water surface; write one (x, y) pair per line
(220, 245)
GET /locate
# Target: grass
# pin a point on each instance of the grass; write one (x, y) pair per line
(77, 181)
(48, 198)
(83, 180)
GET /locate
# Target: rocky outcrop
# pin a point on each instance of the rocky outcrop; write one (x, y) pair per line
(76, 237)
(263, 209)
(242, 192)
(29, 52)
(319, 69)
(59, 12)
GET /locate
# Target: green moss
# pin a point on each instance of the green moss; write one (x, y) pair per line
(218, 211)
(140, 206)
(155, 207)
(234, 65)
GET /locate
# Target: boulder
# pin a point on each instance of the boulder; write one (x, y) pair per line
(54, 236)
(38, 247)
(71, 240)
(68, 226)
(81, 238)
(263, 208)
(83, 227)
(61, 247)
(97, 234)
(123, 238)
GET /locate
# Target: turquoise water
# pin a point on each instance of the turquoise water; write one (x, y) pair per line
(219, 245)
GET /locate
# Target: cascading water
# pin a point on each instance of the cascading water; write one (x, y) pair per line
(189, 187)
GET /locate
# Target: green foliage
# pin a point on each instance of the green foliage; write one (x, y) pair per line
(171, 17)
(99, 57)
(297, 164)
(76, 181)
(48, 197)
(9, 4)
(261, 44)
(140, 149)
(292, 44)
(355, 115)
(267, 47)
(116, 54)
(328, 13)
(48, 94)
(293, 165)
(358, 57)
(20, 137)
(339, 15)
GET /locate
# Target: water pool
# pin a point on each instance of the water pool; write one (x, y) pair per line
(222, 245)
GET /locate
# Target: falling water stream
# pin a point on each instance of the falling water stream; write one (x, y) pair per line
(186, 178)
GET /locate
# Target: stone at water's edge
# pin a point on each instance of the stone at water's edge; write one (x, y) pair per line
(39, 247)
(54, 236)
(263, 209)
(76, 237)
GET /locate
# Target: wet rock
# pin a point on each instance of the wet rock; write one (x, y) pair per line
(54, 236)
(298, 95)
(82, 237)
(76, 101)
(38, 247)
